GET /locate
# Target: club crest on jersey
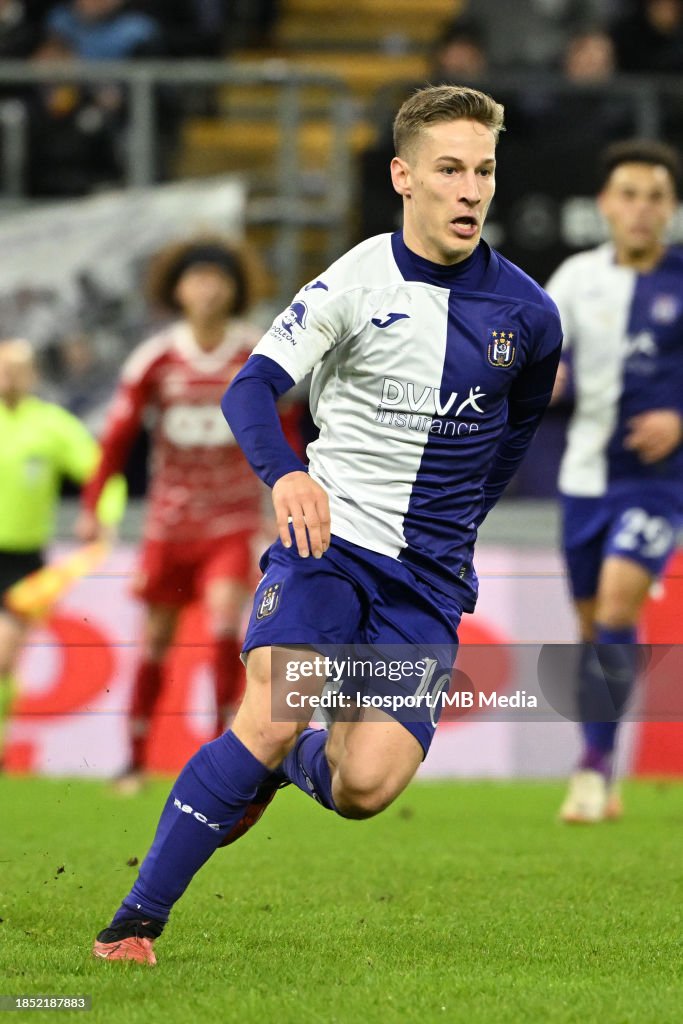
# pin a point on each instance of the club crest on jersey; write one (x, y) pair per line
(501, 349)
(665, 309)
(270, 601)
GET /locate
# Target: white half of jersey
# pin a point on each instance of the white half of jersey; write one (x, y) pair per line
(367, 468)
(594, 296)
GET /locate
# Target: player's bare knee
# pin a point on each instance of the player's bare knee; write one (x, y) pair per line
(618, 613)
(359, 795)
(278, 736)
(157, 638)
(269, 741)
(360, 803)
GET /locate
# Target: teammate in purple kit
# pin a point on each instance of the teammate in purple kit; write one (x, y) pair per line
(622, 473)
(422, 424)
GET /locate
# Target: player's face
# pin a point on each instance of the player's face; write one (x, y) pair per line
(638, 203)
(95, 9)
(205, 293)
(447, 181)
(17, 374)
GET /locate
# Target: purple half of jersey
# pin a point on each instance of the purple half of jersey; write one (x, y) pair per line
(500, 339)
(652, 370)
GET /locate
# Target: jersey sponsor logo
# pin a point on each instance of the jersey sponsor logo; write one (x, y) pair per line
(501, 351)
(429, 409)
(316, 284)
(641, 344)
(270, 601)
(390, 319)
(196, 426)
(640, 354)
(429, 399)
(292, 319)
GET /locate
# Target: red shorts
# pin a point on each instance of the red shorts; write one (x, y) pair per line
(174, 573)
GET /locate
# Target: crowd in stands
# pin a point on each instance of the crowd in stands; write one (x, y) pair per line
(116, 29)
(585, 43)
(76, 132)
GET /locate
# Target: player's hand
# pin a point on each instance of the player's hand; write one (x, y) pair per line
(88, 528)
(561, 383)
(298, 497)
(653, 435)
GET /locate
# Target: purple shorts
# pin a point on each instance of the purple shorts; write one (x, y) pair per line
(352, 597)
(639, 523)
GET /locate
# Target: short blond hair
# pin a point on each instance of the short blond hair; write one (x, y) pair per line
(439, 103)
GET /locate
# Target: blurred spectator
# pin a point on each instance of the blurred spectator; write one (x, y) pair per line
(651, 37)
(190, 28)
(197, 28)
(590, 57)
(84, 377)
(19, 30)
(581, 117)
(252, 22)
(533, 33)
(650, 40)
(458, 56)
(102, 30)
(459, 53)
(76, 131)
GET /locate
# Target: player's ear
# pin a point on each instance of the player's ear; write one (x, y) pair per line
(400, 177)
(601, 201)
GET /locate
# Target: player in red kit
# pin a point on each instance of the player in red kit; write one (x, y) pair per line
(204, 500)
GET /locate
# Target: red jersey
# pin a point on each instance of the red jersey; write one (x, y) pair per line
(201, 486)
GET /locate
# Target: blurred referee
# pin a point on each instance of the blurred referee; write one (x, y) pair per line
(41, 443)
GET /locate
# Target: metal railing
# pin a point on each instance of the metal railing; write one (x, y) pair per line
(289, 208)
(644, 93)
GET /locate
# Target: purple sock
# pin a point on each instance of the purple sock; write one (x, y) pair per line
(598, 740)
(608, 671)
(209, 796)
(307, 767)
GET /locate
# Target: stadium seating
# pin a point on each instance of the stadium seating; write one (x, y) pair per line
(384, 43)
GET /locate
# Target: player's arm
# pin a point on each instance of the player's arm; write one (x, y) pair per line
(562, 288)
(122, 427)
(654, 434)
(249, 405)
(79, 455)
(563, 384)
(528, 399)
(299, 338)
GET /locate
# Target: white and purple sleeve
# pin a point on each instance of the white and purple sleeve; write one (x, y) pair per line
(297, 340)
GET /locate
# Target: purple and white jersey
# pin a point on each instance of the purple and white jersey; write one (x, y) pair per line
(416, 367)
(624, 337)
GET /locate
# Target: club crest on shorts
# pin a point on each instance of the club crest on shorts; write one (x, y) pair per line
(501, 349)
(270, 601)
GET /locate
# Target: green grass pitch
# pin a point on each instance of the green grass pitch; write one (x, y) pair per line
(463, 902)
